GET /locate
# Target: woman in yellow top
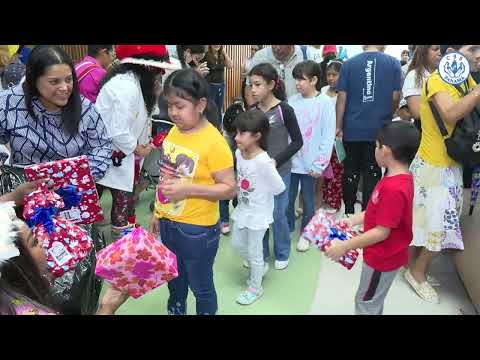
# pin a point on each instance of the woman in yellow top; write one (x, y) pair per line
(196, 171)
(438, 181)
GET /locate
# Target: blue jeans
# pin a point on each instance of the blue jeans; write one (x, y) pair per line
(196, 248)
(281, 235)
(217, 95)
(308, 196)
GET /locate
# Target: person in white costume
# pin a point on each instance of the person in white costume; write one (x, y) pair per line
(126, 101)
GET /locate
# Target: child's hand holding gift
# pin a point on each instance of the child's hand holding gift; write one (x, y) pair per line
(347, 222)
(174, 189)
(355, 220)
(336, 249)
(154, 226)
(144, 150)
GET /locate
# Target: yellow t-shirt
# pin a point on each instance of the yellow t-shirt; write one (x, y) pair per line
(193, 158)
(432, 147)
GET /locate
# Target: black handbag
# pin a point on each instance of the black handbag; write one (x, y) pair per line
(463, 145)
(77, 292)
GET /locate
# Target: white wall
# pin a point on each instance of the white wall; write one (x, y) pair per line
(396, 50)
(393, 50)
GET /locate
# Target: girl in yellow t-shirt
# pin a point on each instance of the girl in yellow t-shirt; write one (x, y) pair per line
(196, 171)
(438, 181)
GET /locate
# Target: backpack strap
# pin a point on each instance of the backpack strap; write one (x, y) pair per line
(461, 90)
(436, 114)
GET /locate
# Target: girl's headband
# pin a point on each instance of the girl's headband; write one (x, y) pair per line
(334, 61)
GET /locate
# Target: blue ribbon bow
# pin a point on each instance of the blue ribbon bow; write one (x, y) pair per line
(43, 216)
(71, 196)
(128, 231)
(335, 234)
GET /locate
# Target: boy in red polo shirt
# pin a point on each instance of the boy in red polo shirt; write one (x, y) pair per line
(387, 219)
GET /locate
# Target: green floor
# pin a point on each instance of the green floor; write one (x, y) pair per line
(290, 291)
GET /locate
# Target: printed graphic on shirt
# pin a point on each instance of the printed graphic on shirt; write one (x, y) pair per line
(369, 89)
(307, 134)
(176, 162)
(272, 119)
(275, 116)
(244, 185)
(22, 307)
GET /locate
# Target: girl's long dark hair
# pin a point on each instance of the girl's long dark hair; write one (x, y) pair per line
(254, 121)
(210, 55)
(41, 58)
(145, 76)
(20, 276)
(335, 65)
(244, 98)
(309, 69)
(269, 74)
(188, 84)
(323, 68)
(419, 63)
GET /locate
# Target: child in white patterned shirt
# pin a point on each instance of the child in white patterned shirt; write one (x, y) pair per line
(258, 182)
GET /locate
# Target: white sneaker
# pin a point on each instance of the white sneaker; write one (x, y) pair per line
(303, 244)
(249, 296)
(280, 265)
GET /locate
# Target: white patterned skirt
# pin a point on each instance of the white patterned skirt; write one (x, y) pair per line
(437, 206)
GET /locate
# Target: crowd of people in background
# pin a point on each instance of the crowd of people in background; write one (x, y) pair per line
(309, 130)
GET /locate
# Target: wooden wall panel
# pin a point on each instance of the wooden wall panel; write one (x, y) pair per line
(77, 52)
(233, 77)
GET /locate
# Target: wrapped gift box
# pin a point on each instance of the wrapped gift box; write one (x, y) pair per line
(157, 141)
(137, 263)
(323, 228)
(76, 172)
(65, 243)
